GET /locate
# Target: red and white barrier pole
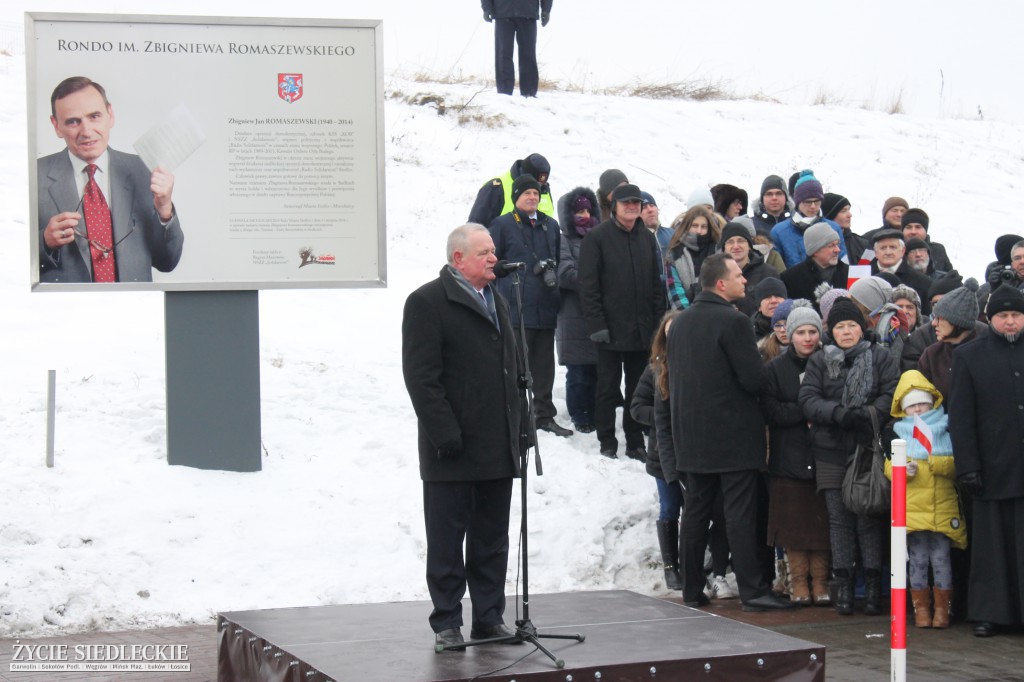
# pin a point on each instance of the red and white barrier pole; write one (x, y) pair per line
(898, 562)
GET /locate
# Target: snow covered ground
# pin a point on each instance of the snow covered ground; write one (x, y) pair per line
(112, 537)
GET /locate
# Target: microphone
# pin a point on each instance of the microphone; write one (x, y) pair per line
(504, 268)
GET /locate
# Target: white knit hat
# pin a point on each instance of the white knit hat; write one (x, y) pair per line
(916, 396)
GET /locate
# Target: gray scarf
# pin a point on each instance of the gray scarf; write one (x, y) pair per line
(861, 375)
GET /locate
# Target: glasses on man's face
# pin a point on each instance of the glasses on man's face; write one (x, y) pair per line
(103, 249)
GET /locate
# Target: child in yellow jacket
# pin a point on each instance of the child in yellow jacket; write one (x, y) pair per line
(934, 521)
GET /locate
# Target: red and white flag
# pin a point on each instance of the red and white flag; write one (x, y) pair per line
(866, 257)
(857, 272)
(922, 434)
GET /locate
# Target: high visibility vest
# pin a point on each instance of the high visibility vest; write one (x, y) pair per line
(546, 206)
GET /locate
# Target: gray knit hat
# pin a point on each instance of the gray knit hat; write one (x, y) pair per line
(609, 180)
(903, 291)
(802, 315)
(819, 235)
(959, 307)
(871, 292)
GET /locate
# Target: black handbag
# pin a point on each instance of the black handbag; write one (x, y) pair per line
(866, 490)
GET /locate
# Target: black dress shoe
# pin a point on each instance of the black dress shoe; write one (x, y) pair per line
(492, 631)
(551, 427)
(584, 428)
(701, 600)
(448, 638)
(984, 629)
(610, 454)
(768, 602)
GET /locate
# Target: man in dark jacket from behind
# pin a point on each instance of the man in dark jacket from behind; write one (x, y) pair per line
(718, 430)
(623, 301)
(459, 360)
(515, 21)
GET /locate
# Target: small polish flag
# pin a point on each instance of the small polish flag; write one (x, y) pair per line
(866, 257)
(922, 434)
(857, 272)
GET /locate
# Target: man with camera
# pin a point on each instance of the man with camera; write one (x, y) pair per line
(999, 274)
(528, 236)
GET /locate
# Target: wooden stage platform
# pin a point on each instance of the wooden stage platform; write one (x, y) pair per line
(628, 637)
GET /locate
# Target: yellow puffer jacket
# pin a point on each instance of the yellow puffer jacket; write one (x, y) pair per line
(932, 501)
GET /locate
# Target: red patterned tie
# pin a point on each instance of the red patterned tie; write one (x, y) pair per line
(99, 228)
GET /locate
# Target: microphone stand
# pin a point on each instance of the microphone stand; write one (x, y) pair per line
(525, 630)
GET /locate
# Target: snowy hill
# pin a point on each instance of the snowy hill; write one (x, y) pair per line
(112, 537)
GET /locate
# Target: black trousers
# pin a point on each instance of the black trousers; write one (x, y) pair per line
(739, 499)
(523, 32)
(476, 512)
(540, 344)
(610, 366)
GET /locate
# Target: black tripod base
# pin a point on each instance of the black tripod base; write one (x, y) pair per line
(525, 632)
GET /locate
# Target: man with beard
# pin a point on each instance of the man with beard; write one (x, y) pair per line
(986, 424)
(822, 265)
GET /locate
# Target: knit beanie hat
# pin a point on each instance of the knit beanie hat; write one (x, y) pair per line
(903, 291)
(733, 229)
(581, 203)
(1002, 299)
(807, 187)
(623, 192)
(802, 314)
(782, 311)
(772, 182)
(536, 165)
(826, 296)
(871, 292)
(918, 243)
(1004, 245)
(747, 222)
(609, 180)
(700, 197)
(959, 307)
(915, 215)
(817, 236)
(916, 396)
(523, 183)
(944, 285)
(844, 309)
(769, 286)
(646, 198)
(832, 204)
(894, 201)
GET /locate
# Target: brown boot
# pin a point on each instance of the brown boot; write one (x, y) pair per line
(799, 567)
(922, 600)
(819, 577)
(943, 607)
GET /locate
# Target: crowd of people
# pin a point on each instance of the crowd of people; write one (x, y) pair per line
(754, 348)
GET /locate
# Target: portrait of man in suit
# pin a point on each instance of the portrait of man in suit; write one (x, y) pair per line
(103, 215)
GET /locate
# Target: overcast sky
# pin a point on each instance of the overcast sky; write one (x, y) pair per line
(944, 58)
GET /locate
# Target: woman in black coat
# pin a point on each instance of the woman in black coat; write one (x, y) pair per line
(841, 382)
(797, 518)
(577, 217)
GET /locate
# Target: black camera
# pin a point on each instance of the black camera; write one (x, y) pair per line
(1004, 275)
(1007, 275)
(546, 269)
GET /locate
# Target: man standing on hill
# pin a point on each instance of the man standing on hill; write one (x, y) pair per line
(516, 21)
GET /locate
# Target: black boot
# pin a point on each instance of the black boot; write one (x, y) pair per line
(843, 598)
(872, 592)
(668, 540)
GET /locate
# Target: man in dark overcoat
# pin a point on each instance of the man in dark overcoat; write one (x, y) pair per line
(986, 423)
(718, 430)
(459, 359)
(623, 300)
